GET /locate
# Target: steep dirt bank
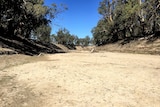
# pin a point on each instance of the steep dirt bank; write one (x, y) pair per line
(28, 46)
(142, 46)
(81, 80)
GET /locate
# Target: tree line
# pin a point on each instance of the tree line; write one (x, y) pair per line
(27, 18)
(25, 25)
(121, 20)
(31, 19)
(64, 37)
(126, 19)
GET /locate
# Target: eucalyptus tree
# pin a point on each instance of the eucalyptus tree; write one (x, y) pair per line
(152, 16)
(62, 36)
(85, 41)
(126, 19)
(18, 18)
(42, 33)
(103, 32)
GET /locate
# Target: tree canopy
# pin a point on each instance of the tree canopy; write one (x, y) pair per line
(64, 37)
(21, 17)
(123, 19)
(21, 20)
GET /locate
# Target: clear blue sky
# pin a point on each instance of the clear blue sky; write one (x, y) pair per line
(79, 19)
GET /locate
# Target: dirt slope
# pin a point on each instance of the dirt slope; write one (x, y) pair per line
(138, 46)
(82, 80)
(64, 48)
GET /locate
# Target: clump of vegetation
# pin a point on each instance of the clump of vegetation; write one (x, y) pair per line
(21, 17)
(25, 24)
(25, 27)
(22, 20)
(64, 37)
(127, 20)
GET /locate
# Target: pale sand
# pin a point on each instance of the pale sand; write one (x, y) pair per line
(84, 79)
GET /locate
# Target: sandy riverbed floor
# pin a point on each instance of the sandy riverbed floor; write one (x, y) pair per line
(80, 79)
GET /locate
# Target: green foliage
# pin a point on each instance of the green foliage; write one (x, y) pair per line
(126, 19)
(84, 41)
(64, 37)
(42, 33)
(20, 18)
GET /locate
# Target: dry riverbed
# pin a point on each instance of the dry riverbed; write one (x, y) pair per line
(80, 79)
